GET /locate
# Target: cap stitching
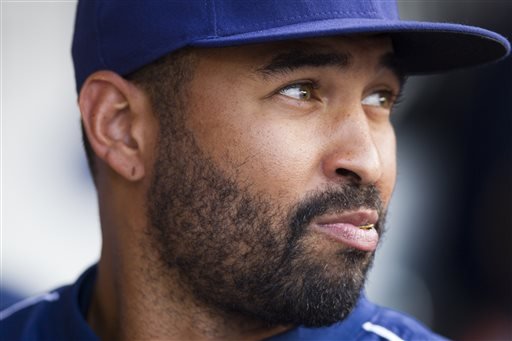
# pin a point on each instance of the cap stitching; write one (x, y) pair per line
(372, 8)
(309, 16)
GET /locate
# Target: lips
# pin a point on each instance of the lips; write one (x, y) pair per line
(345, 228)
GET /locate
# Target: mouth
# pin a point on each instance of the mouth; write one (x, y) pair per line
(355, 229)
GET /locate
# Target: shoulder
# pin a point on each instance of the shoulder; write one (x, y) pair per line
(368, 322)
(56, 315)
(25, 319)
(389, 324)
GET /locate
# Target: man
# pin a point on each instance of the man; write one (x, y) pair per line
(244, 161)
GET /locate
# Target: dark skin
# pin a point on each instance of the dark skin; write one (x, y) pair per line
(283, 128)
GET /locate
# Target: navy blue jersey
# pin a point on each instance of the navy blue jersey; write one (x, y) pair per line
(60, 315)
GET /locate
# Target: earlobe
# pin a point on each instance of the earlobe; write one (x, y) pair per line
(112, 114)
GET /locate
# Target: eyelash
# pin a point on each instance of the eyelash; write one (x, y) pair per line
(311, 83)
(395, 98)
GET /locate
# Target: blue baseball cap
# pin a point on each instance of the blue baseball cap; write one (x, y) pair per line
(124, 35)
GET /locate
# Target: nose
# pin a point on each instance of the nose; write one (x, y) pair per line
(353, 154)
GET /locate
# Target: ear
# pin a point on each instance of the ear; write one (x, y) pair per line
(114, 112)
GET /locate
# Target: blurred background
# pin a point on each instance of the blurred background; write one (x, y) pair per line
(447, 257)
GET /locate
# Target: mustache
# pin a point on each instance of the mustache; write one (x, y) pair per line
(335, 200)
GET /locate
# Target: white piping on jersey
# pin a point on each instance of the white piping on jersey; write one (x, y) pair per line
(381, 331)
(50, 297)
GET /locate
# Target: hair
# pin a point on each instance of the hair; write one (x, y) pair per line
(163, 81)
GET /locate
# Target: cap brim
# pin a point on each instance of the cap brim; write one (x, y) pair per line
(421, 47)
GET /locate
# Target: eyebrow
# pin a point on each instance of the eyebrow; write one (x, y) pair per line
(296, 59)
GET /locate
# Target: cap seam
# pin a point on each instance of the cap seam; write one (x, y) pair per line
(285, 20)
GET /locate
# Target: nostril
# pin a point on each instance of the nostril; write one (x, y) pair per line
(348, 174)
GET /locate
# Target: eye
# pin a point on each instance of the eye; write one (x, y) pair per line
(298, 91)
(383, 99)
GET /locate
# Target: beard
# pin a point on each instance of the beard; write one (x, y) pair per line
(240, 253)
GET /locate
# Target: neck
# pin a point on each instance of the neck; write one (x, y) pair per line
(133, 301)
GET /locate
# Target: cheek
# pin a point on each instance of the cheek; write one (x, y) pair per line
(282, 157)
(273, 158)
(271, 155)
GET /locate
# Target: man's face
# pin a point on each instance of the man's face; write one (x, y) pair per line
(277, 153)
